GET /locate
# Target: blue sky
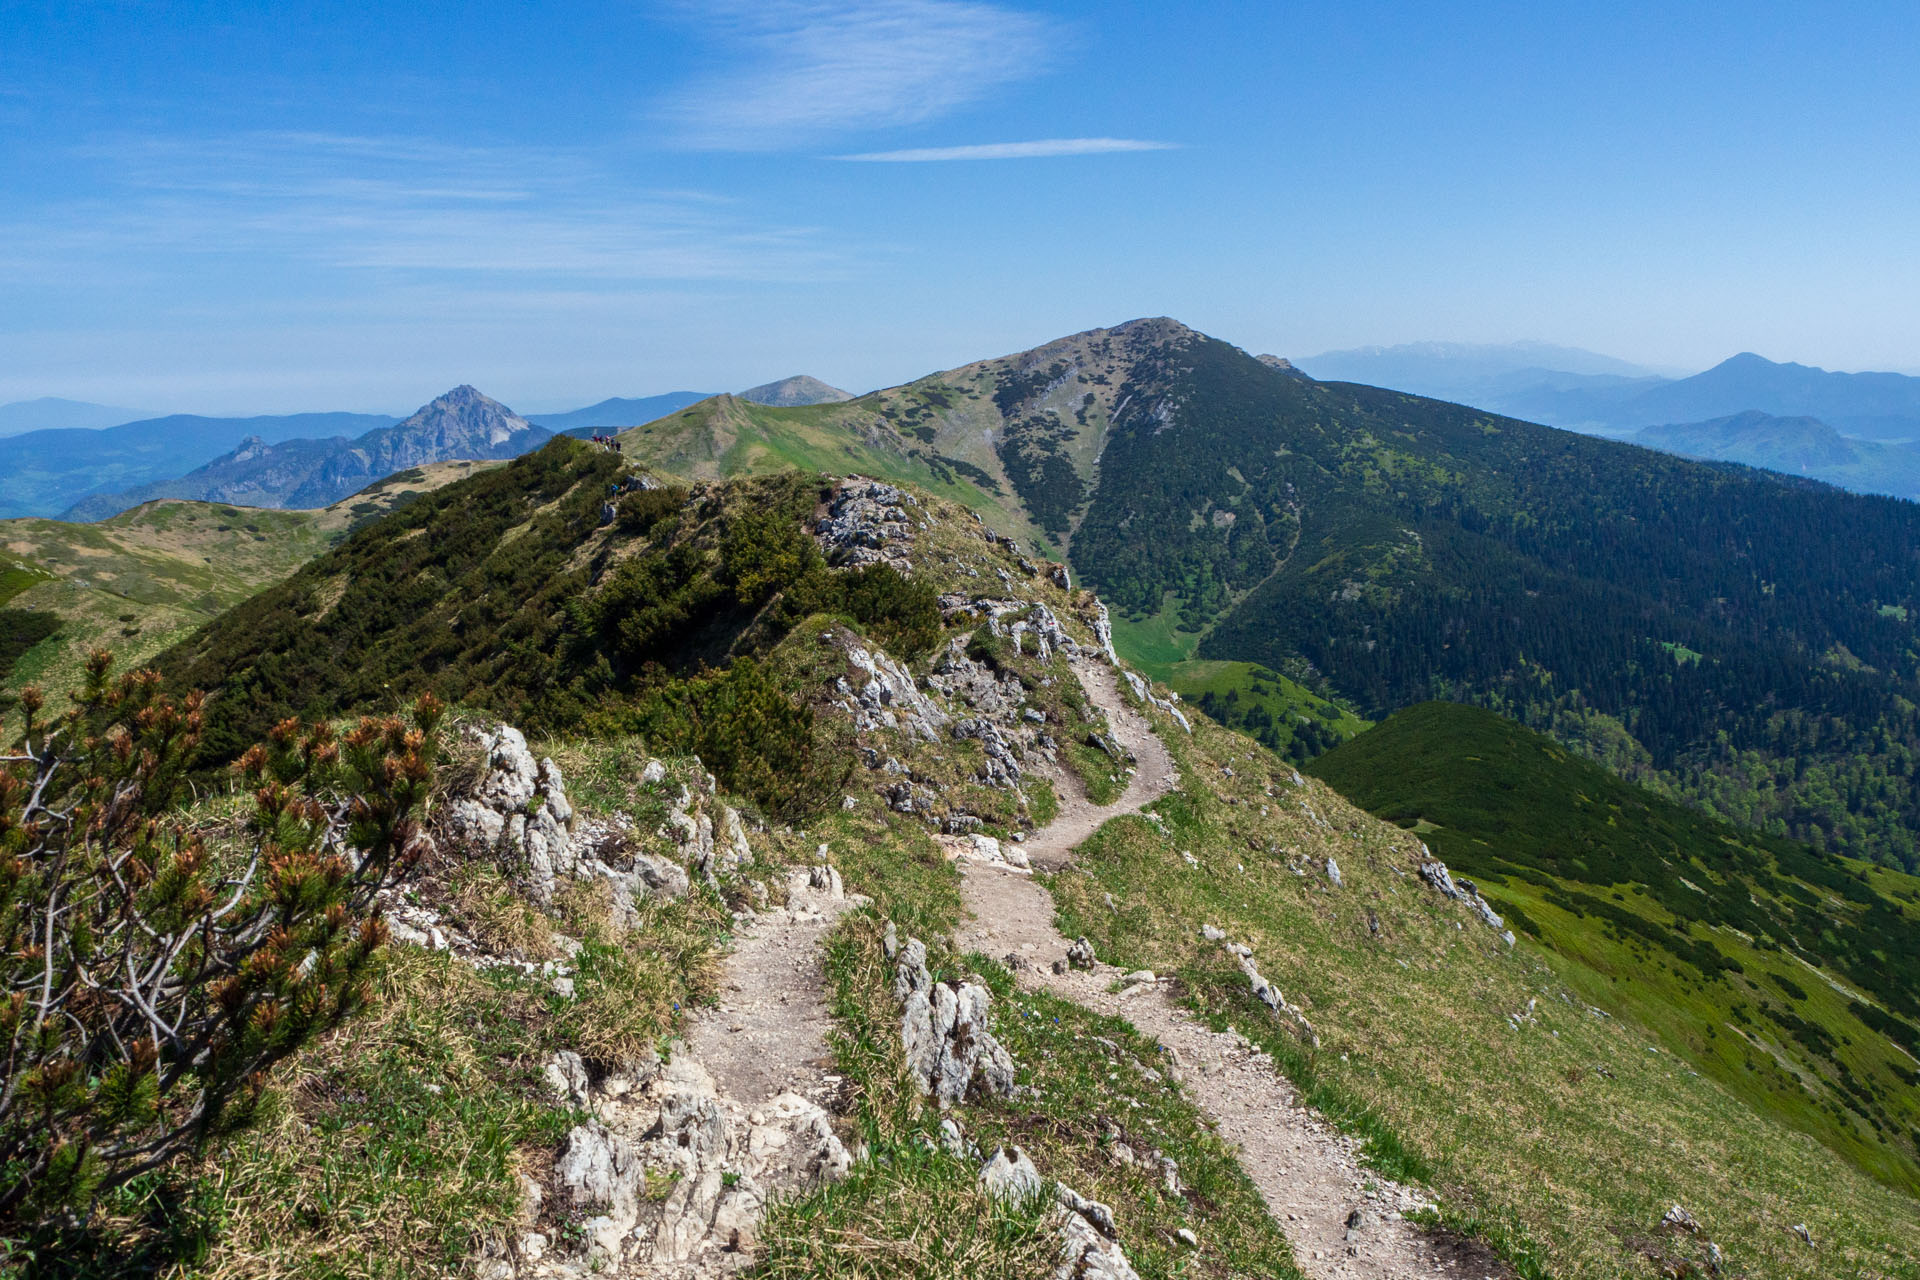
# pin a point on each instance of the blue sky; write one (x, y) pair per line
(229, 207)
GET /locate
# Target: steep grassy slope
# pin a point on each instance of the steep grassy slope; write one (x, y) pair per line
(1791, 977)
(726, 436)
(1558, 1130)
(146, 578)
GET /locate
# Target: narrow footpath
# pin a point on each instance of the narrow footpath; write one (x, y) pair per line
(1344, 1222)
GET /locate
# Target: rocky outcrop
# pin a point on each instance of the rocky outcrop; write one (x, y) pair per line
(1263, 991)
(867, 522)
(517, 811)
(1103, 632)
(983, 848)
(670, 1178)
(1143, 692)
(882, 694)
(1435, 873)
(945, 1028)
(518, 808)
(1002, 767)
(1088, 1247)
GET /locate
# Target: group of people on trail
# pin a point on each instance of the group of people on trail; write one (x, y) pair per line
(608, 443)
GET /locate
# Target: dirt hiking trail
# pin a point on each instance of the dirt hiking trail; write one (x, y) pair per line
(768, 1033)
(1344, 1222)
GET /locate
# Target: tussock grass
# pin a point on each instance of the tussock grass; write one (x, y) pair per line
(488, 908)
(394, 1148)
(906, 1212)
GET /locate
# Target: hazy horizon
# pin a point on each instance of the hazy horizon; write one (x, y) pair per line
(328, 207)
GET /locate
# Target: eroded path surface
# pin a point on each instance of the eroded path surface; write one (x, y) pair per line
(768, 1033)
(1344, 1222)
(1052, 846)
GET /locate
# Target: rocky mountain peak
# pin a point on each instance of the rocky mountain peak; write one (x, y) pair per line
(797, 390)
(464, 416)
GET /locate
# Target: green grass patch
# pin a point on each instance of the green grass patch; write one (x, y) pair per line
(1280, 714)
(1737, 950)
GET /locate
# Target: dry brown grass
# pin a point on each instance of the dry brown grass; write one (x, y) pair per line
(498, 917)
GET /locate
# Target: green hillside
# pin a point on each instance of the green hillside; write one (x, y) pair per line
(1380, 549)
(703, 620)
(146, 578)
(726, 436)
(1791, 977)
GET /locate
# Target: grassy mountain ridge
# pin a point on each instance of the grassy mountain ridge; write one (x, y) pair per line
(1791, 977)
(144, 579)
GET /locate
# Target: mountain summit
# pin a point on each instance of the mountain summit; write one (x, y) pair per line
(797, 390)
(463, 423)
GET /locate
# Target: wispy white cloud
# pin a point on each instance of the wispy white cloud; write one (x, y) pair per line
(1037, 149)
(394, 206)
(803, 70)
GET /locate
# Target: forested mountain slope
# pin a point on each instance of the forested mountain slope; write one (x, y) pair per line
(144, 579)
(853, 712)
(1790, 976)
(1740, 640)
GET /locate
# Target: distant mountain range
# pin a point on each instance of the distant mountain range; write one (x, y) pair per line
(316, 472)
(1878, 406)
(797, 390)
(1585, 391)
(51, 413)
(617, 412)
(66, 465)
(43, 473)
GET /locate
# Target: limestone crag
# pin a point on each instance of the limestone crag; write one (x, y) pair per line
(517, 807)
(517, 810)
(945, 1029)
(867, 522)
(882, 693)
(1016, 619)
(1144, 693)
(668, 1178)
(1435, 873)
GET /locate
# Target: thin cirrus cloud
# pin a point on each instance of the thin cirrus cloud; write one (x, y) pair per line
(390, 206)
(1038, 149)
(798, 71)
